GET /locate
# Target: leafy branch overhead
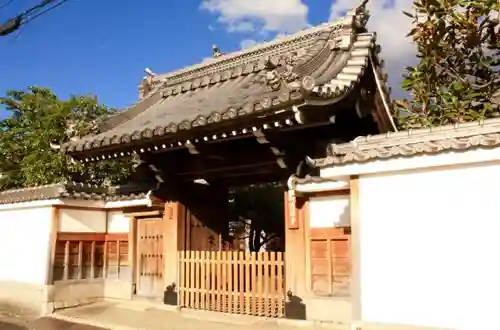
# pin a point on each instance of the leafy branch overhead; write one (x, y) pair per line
(38, 118)
(457, 76)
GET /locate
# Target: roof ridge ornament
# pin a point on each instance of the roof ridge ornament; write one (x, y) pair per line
(148, 84)
(353, 22)
(216, 51)
(280, 72)
(362, 14)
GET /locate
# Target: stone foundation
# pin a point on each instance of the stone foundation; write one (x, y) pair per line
(32, 300)
(64, 294)
(23, 299)
(328, 309)
(388, 326)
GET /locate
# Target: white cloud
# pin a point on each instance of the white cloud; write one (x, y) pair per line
(241, 27)
(263, 18)
(247, 43)
(392, 26)
(284, 16)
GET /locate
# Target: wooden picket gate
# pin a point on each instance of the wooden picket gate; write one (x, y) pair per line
(251, 283)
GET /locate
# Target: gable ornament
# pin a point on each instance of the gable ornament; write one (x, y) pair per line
(280, 73)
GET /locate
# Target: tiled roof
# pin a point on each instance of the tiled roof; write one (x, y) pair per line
(320, 64)
(483, 134)
(73, 191)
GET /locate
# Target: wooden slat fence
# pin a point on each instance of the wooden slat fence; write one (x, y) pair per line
(251, 283)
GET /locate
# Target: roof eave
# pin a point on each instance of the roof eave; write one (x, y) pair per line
(266, 114)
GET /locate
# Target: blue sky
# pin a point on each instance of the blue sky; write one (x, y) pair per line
(102, 47)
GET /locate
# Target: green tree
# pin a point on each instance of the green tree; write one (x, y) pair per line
(38, 121)
(457, 77)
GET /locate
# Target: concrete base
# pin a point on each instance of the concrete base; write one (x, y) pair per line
(389, 326)
(23, 299)
(33, 300)
(64, 294)
(335, 310)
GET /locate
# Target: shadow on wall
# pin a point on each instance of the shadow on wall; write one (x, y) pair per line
(295, 309)
(170, 295)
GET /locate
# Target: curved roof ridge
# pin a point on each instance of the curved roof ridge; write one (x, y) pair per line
(453, 137)
(268, 45)
(248, 52)
(50, 185)
(167, 84)
(450, 131)
(319, 69)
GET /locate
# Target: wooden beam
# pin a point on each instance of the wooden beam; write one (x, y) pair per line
(154, 213)
(221, 157)
(269, 172)
(88, 237)
(208, 171)
(251, 178)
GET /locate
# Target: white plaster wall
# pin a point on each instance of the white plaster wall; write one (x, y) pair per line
(24, 244)
(82, 221)
(329, 211)
(430, 247)
(117, 222)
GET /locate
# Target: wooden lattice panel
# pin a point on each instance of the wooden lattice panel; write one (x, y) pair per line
(233, 282)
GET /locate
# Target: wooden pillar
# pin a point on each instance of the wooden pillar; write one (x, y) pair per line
(295, 248)
(355, 249)
(132, 251)
(51, 253)
(171, 218)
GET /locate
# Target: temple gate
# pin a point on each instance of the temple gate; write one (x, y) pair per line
(238, 119)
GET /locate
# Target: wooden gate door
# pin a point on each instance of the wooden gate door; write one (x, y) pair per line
(251, 283)
(150, 261)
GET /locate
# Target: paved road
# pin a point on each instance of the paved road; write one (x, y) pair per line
(44, 323)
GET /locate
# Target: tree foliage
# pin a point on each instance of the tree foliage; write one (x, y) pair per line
(457, 76)
(258, 212)
(38, 118)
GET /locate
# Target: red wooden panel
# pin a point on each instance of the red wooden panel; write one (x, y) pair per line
(330, 261)
(319, 266)
(86, 259)
(319, 248)
(340, 248)
(62, 236)
(73, 260)
(341, 266)
(99, 259)
(65, 236)
(59, 261)
(116, 237)
(320, 285)
(330, 232)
